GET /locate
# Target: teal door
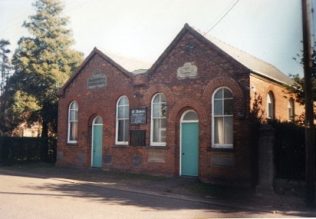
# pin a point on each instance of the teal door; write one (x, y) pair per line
(97, 131)
(189, 147)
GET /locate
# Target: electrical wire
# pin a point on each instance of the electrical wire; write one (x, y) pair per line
(222, 17)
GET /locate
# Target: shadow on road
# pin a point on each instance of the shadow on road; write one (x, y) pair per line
(222, 199)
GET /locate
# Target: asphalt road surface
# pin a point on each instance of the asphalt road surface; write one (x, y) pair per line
(35, 197)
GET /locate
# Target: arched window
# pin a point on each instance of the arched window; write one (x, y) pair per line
(122, 120)
(158, 120)
(291, 110)
(72, 136)
(222, 121)
(270, 106)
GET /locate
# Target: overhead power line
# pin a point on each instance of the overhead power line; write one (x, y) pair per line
(222, 17)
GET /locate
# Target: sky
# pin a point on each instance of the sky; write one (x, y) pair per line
(138, 31)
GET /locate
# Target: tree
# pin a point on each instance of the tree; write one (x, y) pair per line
(42, 63)
(298, 87)
(4, 63)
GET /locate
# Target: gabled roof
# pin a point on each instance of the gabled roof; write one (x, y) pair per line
(250, 62)
(239, 57)
(256, 65)
(86, 61)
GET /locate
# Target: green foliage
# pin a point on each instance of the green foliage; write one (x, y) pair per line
(298, 87)
(16, 150)
(289, 150)
(4, 63)
(42, 64)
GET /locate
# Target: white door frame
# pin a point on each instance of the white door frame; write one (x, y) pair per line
(180, 135)
(92, 132)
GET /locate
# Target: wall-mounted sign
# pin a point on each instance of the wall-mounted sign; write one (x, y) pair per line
(97, 80)
(138, 116)
(188, 70)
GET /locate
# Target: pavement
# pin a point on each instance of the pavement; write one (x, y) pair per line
(178, 188)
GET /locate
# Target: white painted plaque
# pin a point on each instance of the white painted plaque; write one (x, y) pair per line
(97, 80)
(188, 70)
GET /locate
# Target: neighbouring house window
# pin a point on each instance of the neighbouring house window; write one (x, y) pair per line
(291, 110)
(270, 106)
(158, 120)
(73, 123)
(122, 121)
(222, 120)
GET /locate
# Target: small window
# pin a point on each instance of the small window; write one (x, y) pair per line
(122, 121)
(190, 116)
(158, 120)
(73, 123)
(222, 119)
(291, 110)
(270, 106)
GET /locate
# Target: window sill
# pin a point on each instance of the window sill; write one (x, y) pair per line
(72, 144)
(158, 147)
(163, 144)
(120, 146)
(219, 149)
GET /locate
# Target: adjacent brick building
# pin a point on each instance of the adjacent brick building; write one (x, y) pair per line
(186, 115)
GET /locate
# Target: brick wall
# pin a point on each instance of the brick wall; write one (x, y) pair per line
(215, 69)
(260, 86)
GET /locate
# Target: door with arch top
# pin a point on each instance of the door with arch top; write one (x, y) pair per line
(96, 143)
(189, 144)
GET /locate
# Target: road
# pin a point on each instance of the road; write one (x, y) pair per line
(35, 197)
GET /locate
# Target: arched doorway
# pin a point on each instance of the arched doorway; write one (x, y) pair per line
(189, 144)
(96, 142)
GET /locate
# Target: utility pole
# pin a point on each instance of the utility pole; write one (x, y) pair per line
(309, 117)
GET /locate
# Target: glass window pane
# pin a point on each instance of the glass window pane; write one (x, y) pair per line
(228, 130)
(227, 93)
(74, 106)
(162, 98)
(163, 108)
(219, 94)
(163, 123)
(156, 98)
(73, 131)
(219, 131)
(123, 112)
(126, 112)
(162, 135)
(120, 131)
(123, 101)
(190, 116)
(156, 127)
(72, 115)
(270, 111)
(156, 110)
(126, 130)
(228, 107)
(98, 120)
(218, 107)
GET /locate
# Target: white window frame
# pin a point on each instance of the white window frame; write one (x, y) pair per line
(224, 146)
(152, 143)
(117, 120)
(270, 100)
(291, 106)
(70, 110)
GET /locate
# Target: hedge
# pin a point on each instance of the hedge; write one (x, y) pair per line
(24, 149)
(289, 150)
